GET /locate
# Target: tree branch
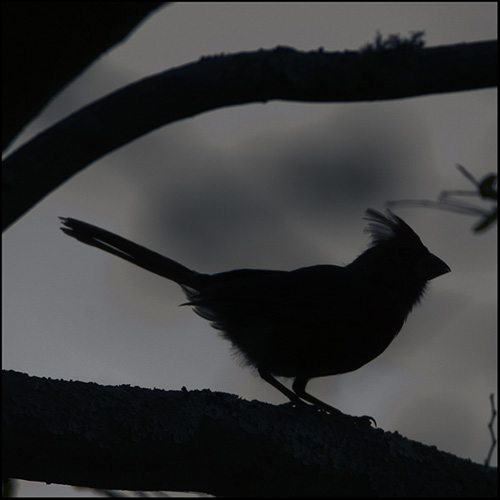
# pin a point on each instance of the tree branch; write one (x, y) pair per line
(283, 73)
(140, 439)
(47, 44)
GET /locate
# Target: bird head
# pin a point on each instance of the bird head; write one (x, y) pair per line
(397, 258)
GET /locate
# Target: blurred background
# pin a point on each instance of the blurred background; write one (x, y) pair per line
(280, 185)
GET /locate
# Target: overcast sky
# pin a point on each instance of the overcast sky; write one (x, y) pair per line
(278, 185)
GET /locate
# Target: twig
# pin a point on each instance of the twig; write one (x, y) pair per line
(492, 432)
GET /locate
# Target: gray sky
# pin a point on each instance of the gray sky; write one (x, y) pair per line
(280, 186)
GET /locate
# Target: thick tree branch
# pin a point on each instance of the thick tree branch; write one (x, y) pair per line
(47, 44)
(140, 439)
(228, 80)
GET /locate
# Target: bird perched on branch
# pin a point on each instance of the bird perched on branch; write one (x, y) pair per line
(311, 322)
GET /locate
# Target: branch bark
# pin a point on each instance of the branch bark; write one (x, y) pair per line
(283, 73)
(140, 439)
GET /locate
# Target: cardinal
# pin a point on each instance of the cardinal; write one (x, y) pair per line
(311, 322)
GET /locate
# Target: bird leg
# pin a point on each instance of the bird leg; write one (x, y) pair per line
(299, 393)
(294, 398)
(299, 387)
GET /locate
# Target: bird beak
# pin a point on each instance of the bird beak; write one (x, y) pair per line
(431, 267)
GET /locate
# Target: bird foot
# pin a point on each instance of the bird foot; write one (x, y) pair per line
(363, 421)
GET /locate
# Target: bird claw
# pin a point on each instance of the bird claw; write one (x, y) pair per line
(365, 420)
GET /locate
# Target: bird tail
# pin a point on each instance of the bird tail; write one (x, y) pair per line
(137, 254)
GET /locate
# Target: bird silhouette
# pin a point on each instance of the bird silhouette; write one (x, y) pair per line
(310, 322)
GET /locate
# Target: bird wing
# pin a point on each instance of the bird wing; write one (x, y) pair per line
(306, 294)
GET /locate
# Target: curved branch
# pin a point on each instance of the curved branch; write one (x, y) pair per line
(47, 44)
(141, 439)
(283, 73)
